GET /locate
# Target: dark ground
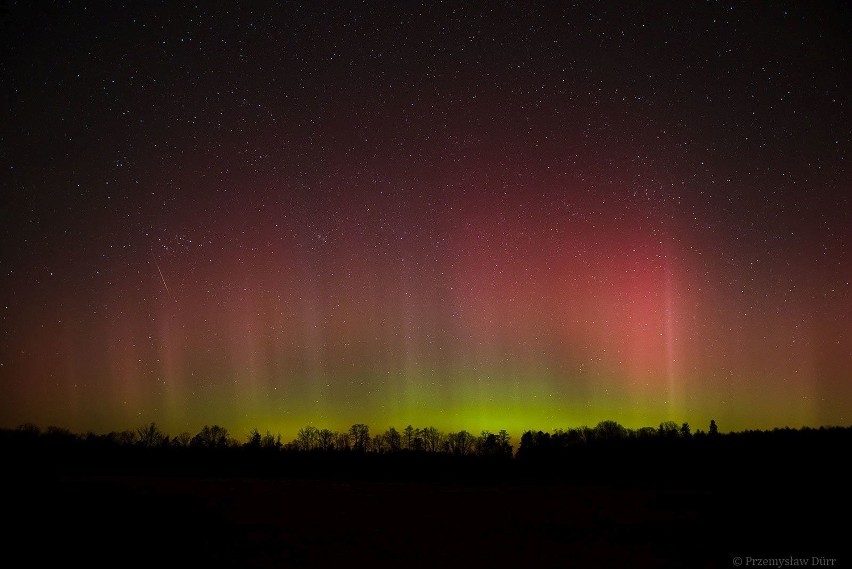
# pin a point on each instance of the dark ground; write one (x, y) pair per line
(153, 521)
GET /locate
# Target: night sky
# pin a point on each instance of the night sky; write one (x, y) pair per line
(519, 216)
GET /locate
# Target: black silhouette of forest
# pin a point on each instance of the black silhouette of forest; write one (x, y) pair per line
(417, 497)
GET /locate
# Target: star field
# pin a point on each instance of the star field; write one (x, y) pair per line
(514, 216)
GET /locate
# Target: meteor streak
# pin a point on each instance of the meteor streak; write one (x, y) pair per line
(159, 270)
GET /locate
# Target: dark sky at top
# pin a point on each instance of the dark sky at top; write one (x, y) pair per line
(512, 214)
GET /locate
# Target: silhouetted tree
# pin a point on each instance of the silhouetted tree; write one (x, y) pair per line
(393, 440)
(149, 436)
(343, 442)
(60, 437)
(534, 443)
(714, 430)
(485, 443)
(571, 437)
(377, 443)
(211, 437)
(490, 444)
(307, 438)
(182, 440)
(585, 434)
(127, 438)
(644, 433)
(326, 439)
(527, 444)
(461, 443)
(408, 437)
(270, 441)
(669, 430)
(417, 444)
(607, 431)
(505, 441)
(254, 438)
(685, 431)
(432, 439)
(360, 434)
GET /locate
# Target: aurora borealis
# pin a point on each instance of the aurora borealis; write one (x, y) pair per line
(520, 216)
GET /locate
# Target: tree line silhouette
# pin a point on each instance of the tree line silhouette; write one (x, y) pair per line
(309, 439)
(358, 439)
(607, 452)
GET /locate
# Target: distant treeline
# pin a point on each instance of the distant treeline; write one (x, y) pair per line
(357, 439)
(669, 454)
(427, 440)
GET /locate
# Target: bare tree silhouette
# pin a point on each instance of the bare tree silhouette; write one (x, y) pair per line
(326, 439)
(408, 437)
(343, 441)
(377, 443)
(182, 439)
(669, 430)
(432, 439)
(211, 437)
(150, 436)
(461, 443)
(307, 438)
(393, 440)
(360, 434)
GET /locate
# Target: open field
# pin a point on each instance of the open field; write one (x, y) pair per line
(260, 522)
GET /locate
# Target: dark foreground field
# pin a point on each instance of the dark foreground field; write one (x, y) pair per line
(160, 521)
